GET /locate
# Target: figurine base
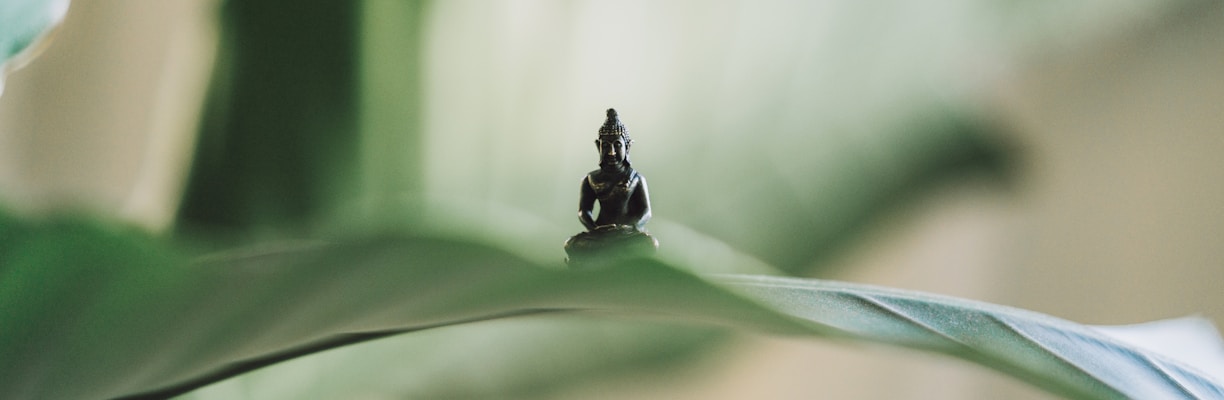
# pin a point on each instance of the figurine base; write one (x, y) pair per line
(607, 244)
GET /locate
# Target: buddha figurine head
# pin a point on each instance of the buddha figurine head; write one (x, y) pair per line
(613, 143)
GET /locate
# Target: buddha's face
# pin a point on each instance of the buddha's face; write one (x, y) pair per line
(612, 150)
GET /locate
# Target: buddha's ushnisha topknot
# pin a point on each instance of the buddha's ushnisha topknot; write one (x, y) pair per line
(613, 126)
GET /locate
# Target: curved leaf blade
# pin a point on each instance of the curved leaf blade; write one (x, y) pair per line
(197, 323)
(515, 358)
(180, 326)
(1058, 355)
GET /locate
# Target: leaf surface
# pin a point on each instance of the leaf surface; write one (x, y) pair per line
(73, 314)
(1061, 356)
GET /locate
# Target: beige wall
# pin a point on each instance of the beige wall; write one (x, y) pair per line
(1124, 199)
(102, 120)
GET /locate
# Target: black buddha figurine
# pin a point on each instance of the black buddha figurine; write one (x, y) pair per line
(624, 204)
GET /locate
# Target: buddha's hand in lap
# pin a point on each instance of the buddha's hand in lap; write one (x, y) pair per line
(613, 228)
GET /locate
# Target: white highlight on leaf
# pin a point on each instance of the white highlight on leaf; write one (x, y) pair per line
(1191, 340)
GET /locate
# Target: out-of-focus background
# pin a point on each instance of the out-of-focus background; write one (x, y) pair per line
(1062, 158)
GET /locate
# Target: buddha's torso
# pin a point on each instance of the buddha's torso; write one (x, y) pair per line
(613, 190)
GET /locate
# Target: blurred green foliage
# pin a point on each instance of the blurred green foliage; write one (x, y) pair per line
(277, 147)
(75, 289)
(317, 126)
(314, 122)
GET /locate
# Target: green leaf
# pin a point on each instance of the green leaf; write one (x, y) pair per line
(514, 358)
(277, 147)
(73, 291)
(77, 301)
(1060, 356)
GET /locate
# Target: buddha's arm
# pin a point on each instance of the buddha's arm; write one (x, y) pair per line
(586, 204)
(639, 204)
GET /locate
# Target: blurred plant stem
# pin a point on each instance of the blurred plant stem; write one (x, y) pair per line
(297, 127)
(392, 135)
